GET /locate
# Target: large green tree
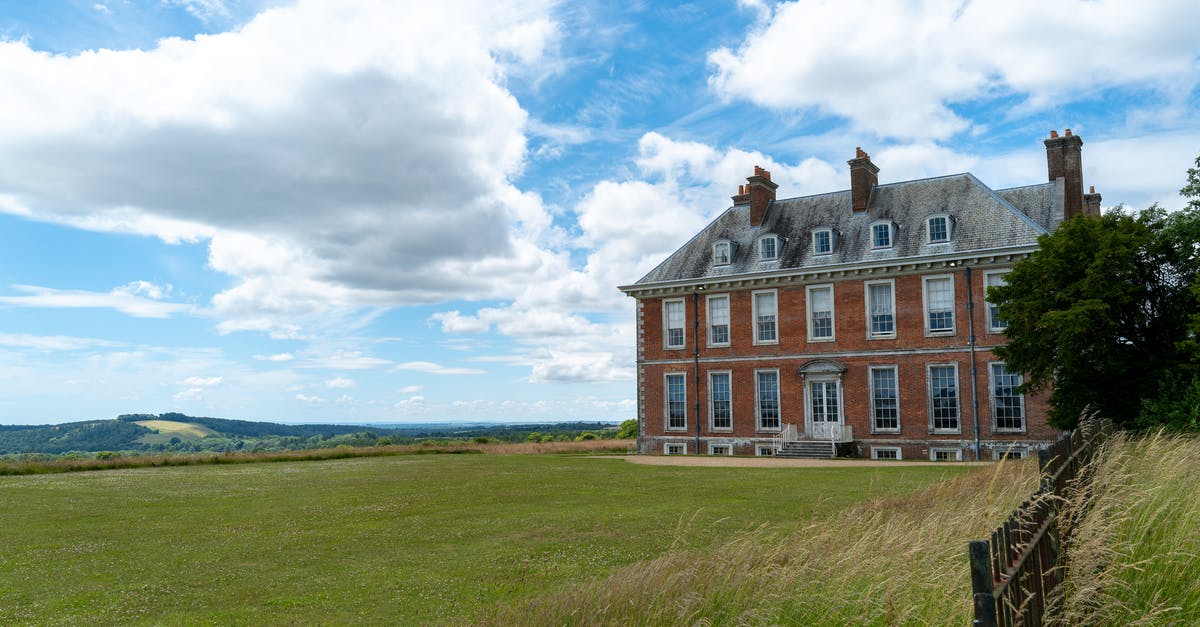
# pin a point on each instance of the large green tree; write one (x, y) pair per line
(1106, 314)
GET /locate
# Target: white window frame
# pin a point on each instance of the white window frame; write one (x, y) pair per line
(929, 331)
(992, 400)
(876, 450)
(754, 318)
(667, 401)
(728, 316)
(1015, 451)
(666, 305)
(929, 228)
(758, 419)
(871, 334)
(992, 327)
(716, 257)
(891, 227)
(832, 242)
(712, 417)
(808, 299)
(764, 450)
(957, 397)
(871, 397)
(726, 445)
(778, 245)
(957, 452)
(667, 446)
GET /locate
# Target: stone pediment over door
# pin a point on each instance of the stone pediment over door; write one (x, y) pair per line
(821, 368)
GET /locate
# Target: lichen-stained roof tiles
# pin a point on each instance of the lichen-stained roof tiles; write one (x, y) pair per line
(983, 219)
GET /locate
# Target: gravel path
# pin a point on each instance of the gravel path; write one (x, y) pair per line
(774, 462)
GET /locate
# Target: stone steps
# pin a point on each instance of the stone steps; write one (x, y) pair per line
(806, 449)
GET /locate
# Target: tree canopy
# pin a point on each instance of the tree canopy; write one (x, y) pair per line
(1107, 313)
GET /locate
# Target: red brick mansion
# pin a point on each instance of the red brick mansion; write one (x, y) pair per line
(854, 321)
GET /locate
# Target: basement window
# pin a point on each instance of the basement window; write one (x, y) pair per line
(720, 449)
(675, 449)
(885, 452)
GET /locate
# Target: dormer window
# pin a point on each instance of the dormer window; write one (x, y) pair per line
(768, 248)
(882, 234)
(822, 241)
(939, 228)
(721, 253)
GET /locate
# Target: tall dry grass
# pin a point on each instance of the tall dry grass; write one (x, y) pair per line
(887, 561)
(1135, 559)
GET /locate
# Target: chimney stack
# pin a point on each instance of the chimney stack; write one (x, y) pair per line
(759, 192)
(864, 176)
(1091, 202)
(1064, 160)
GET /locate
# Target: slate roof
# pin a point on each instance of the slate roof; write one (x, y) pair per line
(984, 219)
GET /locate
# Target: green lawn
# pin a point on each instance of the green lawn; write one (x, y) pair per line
(410, 539)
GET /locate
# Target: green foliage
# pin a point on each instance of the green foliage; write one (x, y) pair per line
(1102, 311)
(123, 434)
(586, 435)
(628, 429)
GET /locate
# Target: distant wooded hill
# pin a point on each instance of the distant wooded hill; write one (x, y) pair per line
(178, 432)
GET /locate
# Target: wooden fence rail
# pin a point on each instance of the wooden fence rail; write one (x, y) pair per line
(1016, 574)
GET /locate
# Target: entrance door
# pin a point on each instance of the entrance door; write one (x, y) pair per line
(824, 413)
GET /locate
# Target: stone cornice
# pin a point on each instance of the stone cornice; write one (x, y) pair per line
(800, 276)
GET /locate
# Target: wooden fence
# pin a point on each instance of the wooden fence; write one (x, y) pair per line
(1016, 574)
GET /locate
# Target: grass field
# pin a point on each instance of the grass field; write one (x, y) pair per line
(895, 559)
(399, 540)
(168, 429)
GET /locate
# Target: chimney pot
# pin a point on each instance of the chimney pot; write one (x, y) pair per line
(1068, 132)
(1091, 189)
(1053, 134)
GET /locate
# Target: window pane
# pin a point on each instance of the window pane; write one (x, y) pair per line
(721, 253)
(768, 400)
(767, 247)
(939, 298)
(822, 242)
(994, 321)
(1006, 401)
(676, 401)
(943, 397)
(718, 320)
(820, 312)
(882, 320)
(674, 323)
(885, 404)
(939, 229)
(765, 311)
(881, 235)
(722, 410)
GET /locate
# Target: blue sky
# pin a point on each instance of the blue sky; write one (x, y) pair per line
(335, 210)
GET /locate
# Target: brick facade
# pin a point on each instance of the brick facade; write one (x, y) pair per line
(808, 366)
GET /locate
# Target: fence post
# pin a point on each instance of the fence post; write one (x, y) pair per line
(982, 584)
